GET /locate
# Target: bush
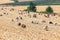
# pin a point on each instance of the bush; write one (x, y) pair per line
(49, 10)
(32, 7)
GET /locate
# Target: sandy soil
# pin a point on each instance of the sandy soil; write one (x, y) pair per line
(36, 30)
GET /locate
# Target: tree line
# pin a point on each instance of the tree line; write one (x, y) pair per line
(32, 7)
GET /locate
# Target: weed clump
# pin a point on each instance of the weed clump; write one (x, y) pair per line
(49, 10)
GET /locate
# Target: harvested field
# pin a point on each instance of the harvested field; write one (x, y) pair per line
(16, 24)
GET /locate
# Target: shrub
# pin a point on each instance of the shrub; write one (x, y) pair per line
(49, 10)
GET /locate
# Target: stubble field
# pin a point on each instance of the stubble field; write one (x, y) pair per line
(16, 24)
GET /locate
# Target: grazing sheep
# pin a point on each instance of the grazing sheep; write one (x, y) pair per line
(46, 28)
(34, 16)
(20, 17)
(23, 26)
(55, 23)
(1, 15)
(7, 13)
(29, 15)
(19, 24)
(19, 13)
(50, 22)
(47, 16)
(4, 13)
(34, 22)
(11, 9)
(43, 21)
(2, 9)
(17, 18)
(12, 20)
(39, 13)
(54, 14)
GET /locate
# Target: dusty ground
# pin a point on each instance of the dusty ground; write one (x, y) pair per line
(11, 16)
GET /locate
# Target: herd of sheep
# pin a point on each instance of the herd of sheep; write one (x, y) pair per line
(18, 24)
(33, 16)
